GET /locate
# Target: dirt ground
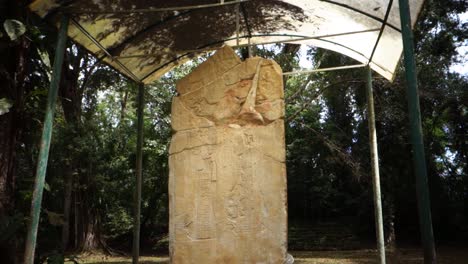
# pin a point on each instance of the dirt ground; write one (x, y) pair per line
(402, 256)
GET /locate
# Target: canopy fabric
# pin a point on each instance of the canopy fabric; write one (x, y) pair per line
(143, 39)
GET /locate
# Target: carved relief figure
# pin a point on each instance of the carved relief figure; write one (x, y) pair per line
(227, 182)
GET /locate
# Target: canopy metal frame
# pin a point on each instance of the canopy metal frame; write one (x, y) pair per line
(209, 47)
(189, 9)
(298, 38)
(356, 10)
(103, 49)
(154, 10)
(427, 236)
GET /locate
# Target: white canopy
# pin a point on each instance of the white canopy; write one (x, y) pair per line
(144, 39)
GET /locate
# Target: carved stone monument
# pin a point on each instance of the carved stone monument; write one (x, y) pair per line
(227, 181)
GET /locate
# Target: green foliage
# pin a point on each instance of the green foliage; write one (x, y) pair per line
(5, 106)
(14, 28)
(9, 226)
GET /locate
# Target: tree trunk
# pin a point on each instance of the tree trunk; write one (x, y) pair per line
(87, 223)
(8, 136)
(123, 104)
(8, 133)
(71, 97)
(87, 217)
(13, 72)
(391, 237)
(66, 209)
(92, 236)
(75, 224)
(289, 53)
(12, 81)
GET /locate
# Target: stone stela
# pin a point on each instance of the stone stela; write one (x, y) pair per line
(227, 181)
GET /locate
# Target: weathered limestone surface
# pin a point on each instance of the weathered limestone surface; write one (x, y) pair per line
(227, 182)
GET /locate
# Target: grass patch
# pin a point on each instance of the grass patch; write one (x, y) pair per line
(403, 256)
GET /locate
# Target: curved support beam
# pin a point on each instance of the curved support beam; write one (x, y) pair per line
(326, 69)
(153, 10)
(138, 34)
(103, 49)
(299, 38)
(387, 13)
(361, 12)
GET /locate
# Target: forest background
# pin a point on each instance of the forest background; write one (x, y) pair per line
(88, 200)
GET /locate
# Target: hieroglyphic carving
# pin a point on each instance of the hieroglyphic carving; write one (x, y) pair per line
(204, 216)
(227, 182)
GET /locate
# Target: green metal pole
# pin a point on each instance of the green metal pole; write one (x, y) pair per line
(375, 167)
(45, 144)
(422, 186)
(137, 206)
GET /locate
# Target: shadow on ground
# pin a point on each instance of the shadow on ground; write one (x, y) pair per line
(126, 262)
(98, 259)
(400, 256)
